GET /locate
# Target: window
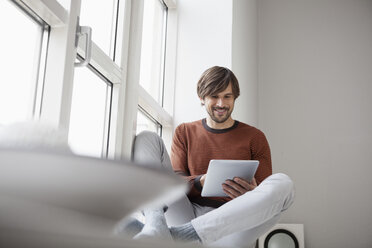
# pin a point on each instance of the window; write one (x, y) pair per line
(157, 67)
(153, 48)
(120, 86)
(21, 62)
(152, 69)
(64, 3)
(145, 122)
(89, 130)
(101, 17)
(90, 113)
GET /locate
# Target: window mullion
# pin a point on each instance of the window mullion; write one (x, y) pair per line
(101, 62)
(57, 94)
(39, 55)
(130, 62)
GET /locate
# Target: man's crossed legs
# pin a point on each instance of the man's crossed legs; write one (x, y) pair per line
(238, 222)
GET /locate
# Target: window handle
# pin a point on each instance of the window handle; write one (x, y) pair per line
(87, 32)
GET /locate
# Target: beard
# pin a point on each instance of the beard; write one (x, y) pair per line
(219, 119)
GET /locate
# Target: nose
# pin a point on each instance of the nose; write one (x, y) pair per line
(219, 102)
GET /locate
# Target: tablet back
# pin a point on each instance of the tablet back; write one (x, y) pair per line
(221, 170)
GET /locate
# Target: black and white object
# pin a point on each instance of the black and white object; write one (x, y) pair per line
(283, 236)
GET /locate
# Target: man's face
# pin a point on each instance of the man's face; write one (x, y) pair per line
(220, 105)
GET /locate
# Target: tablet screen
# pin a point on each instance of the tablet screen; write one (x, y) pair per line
(221, 170)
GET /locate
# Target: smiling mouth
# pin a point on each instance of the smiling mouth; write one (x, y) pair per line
(220, 111)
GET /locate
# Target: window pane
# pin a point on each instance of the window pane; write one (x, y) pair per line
(152, 51)
(88, 113)
(65, 3)
(20, 47)
(145, 123)
(100, 16)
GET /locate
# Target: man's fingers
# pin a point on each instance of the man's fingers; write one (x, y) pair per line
(232, 193)
(236, 186)
(245, 184)
(249, 185)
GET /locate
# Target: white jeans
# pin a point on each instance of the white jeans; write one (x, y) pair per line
(237, 223)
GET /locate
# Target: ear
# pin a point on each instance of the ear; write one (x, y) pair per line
(201, 101)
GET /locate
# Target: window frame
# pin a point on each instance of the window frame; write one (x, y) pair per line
(126, 94)
(108, 105)
(59, 69)
(163, 112)
(150, 118)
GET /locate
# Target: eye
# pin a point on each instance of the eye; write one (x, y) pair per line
(228, 96)
(214, 97)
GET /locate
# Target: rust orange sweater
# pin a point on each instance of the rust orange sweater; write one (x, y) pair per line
(195, 144)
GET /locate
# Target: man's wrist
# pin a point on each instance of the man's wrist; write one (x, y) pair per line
(202, 179)
(197, 183)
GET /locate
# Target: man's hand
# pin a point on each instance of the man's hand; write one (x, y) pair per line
(238, 186)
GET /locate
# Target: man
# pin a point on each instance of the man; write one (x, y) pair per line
(218, 137)
(252, 207)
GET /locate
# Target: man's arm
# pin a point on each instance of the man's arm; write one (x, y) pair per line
(260, 151)
(180, 161)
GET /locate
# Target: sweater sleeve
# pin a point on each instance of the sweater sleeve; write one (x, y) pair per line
(260, 151)
(180, 162)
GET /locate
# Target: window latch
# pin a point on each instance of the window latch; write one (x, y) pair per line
(84, 31)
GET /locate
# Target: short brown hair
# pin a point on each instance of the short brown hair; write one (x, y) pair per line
(216, 79)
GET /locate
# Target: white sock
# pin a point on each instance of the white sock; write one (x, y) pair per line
(155, 226)
(129, 226)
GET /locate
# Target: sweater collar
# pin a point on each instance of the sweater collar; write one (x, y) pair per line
(212, 130)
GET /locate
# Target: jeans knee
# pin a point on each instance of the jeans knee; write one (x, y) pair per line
(284, 187)
(288, 189)
(281, 176)
(284, 179)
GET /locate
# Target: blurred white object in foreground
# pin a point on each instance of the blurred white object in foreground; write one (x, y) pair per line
(52, 198)
(34, 135)
(110, 189)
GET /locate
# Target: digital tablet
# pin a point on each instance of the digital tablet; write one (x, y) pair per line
(221, 170)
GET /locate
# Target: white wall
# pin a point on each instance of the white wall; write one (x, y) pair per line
(204, 40)
(314, 86)
(315, 98)
(244, 59)
(216, 32)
